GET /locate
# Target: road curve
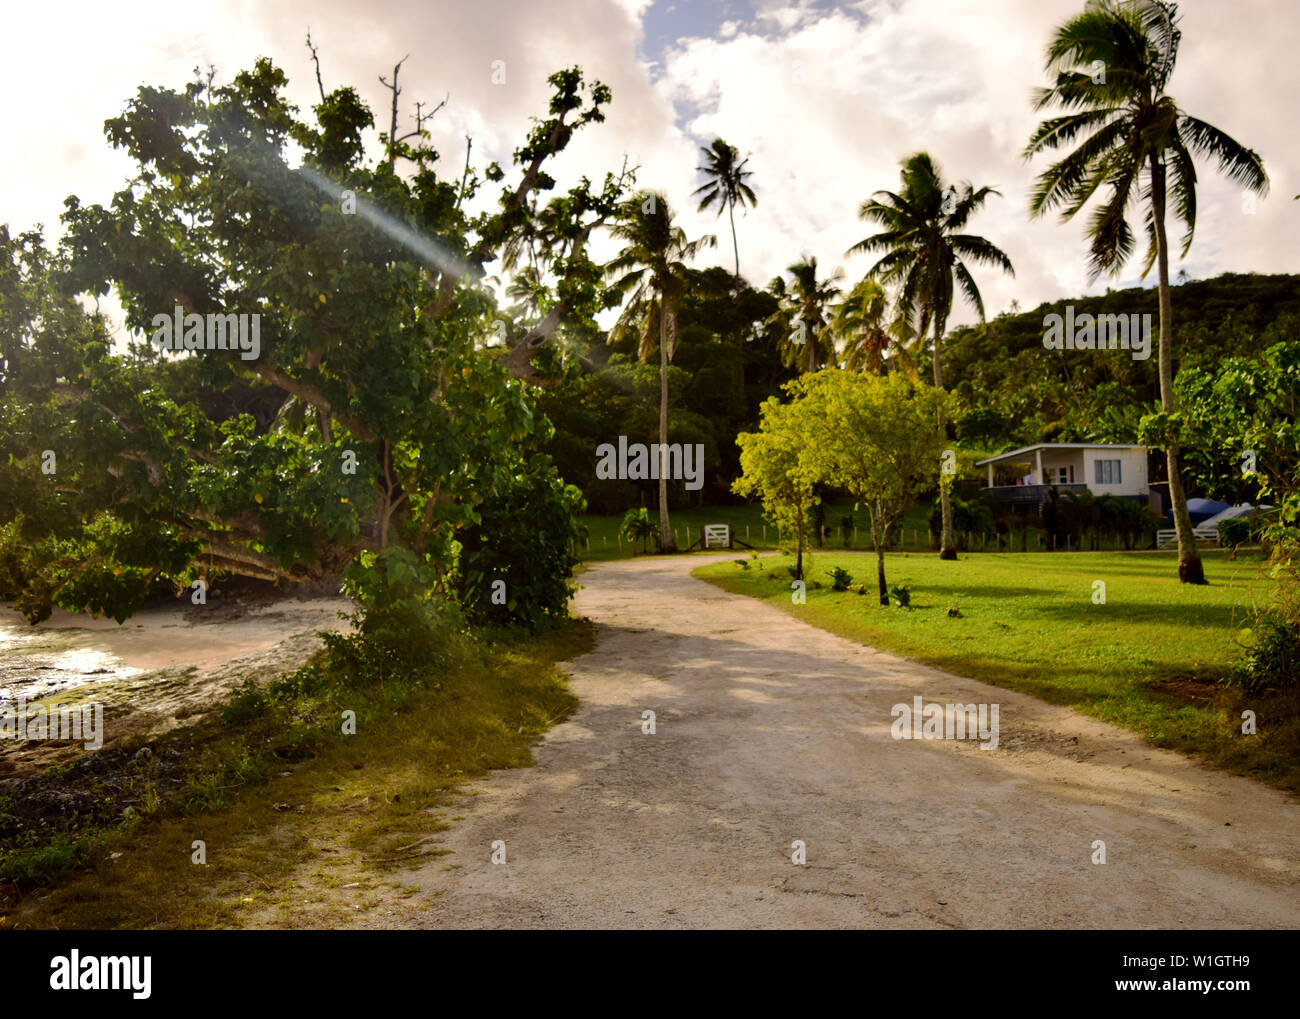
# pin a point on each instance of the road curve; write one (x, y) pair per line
(770, 731)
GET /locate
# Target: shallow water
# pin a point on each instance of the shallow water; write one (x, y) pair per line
(70, 650)
(36, 662)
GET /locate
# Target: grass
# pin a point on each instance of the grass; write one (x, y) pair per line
(277, 793)
(747, 524)
(1151, 659)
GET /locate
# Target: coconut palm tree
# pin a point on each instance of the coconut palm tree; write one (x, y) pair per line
(861, 320)
(1112, 64)
(650, 271)
(923, 251)
(725, 172)
(807, 341)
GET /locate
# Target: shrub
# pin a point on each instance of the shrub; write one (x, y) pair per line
(902, 595)
(840, 579)
(1233, 533)
(637, 525)
(524, 538)
(1272, 660)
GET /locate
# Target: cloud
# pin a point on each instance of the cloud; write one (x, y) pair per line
(826, 100)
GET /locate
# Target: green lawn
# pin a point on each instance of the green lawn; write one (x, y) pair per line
(747, 524)
(1149, 659)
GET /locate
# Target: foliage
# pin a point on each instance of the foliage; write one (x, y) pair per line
(637, 526)
(1239, 423)
(373, 417)
(1272, 658)
(1233, 533)
(807, 340)
(840, 579)
(877, 437)
(775, 467)
(726, 183)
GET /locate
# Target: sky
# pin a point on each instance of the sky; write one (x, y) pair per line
(825, 98)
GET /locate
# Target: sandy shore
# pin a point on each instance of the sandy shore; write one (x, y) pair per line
(159, 669)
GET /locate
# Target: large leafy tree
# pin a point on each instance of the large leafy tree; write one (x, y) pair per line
(650, 273)
(1128, 137)
(1241, 423)
(373, 427)
(924, 251)
(775, 466)
(725, 184)
(807, 341)
(878, 437)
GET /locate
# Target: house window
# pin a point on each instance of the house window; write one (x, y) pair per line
(1060, 475)
(1107, 472)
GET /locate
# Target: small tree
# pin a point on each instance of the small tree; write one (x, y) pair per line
(878, 437)
(637, 525)
(774, 466)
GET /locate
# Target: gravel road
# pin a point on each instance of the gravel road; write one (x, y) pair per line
(770, 731)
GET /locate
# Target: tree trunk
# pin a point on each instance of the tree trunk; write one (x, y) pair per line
(947, 545)
(731, 211)
(880, 564)
(666, 542)
(1190, 569)
(809, 344)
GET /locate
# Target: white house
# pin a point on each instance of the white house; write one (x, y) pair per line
(1024, 475)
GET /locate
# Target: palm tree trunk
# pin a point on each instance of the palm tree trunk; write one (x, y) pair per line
(731, 211)
(877, 542)
(666, 543)
(947, 544)
(1190, 569)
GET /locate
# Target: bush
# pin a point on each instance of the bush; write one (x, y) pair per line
(1272, 661)
(1233, 533)
(516, 562)
(902, 595)
(403, 641)
(638, 526)
(840, 579)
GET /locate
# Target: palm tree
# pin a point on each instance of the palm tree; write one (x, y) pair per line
(651, 269)
(923, 251)
(1139, 145)
(806, 335)
(725, 185)
(861, 320)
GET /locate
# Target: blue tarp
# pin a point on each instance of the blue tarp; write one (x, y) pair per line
(1200, 509)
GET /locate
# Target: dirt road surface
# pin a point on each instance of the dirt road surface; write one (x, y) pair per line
(770, 731)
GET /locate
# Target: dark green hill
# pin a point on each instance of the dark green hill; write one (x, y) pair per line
(1015, 391)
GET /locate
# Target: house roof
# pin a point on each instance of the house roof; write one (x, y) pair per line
(1012, 454)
